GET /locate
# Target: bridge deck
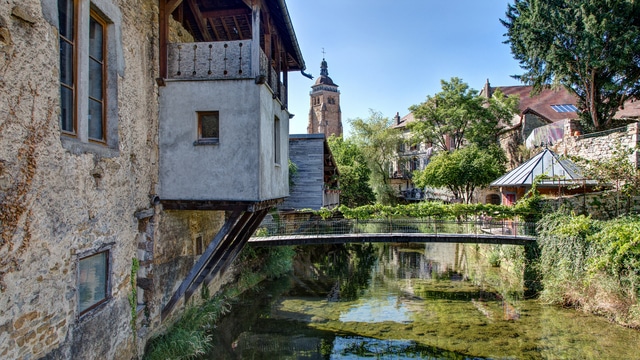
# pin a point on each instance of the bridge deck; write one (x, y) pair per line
(482, 238)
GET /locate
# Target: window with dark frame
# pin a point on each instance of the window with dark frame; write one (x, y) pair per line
(93, 281)
(96, 78)
(276, 139)
(208, 126)
(73, 116)
(67, 25)
(199, 245)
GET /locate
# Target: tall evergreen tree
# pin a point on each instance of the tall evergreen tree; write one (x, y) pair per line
(591, 47)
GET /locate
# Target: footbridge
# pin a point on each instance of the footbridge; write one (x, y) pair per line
(342, 231)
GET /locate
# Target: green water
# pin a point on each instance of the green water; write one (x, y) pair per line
(433, 301)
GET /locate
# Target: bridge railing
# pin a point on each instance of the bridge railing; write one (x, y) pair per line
(389, 226)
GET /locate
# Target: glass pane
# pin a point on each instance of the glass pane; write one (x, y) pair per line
(208, 126)
(92, 280)
(95, 39)
(65, 18)
(66, 63)
(66, 109)
(96, 132)
(95, 79)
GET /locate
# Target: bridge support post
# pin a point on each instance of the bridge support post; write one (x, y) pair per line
(532, 285)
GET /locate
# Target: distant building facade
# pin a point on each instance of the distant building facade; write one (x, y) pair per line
(325, 115)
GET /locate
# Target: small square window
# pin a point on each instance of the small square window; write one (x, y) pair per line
(93, 281)
(208, 126)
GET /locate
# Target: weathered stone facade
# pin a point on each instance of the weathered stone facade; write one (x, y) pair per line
(64, 197)
(600, 205)
(599, 145)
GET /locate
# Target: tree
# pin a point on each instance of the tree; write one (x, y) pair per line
(457, 114)
(463, 170)
(498, 111)
(354, 172)
(591, 47)
(378, 142)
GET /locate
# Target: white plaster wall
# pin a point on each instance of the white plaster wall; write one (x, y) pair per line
(241, 166)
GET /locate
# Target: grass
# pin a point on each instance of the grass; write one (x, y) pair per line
(189, 337)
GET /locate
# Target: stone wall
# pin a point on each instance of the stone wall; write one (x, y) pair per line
(599, 145)
(601, 205)
(64, 198)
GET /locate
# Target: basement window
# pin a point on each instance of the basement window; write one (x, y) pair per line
(208, 127)
(93, 281)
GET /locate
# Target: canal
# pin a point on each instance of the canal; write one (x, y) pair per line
(419, 301)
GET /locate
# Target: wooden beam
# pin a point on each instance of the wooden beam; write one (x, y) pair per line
(163, 18)
(201, 263)
(233, 251)
(225, 13)
(221, 249)
(201, 21)
(172, 5)
(213, 27)
(235, 21)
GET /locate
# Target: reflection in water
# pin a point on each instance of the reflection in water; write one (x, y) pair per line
(433, 301)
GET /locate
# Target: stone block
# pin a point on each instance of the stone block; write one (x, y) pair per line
(25, 318)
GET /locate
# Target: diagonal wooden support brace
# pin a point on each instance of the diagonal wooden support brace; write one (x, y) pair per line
(234, 249)
(202, 263)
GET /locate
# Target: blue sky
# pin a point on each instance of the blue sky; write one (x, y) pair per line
(389, 55)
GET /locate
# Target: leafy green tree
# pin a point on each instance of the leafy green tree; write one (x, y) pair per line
(460, 114)
(591, 47)
(354, 172)
(463, 170)
(497, 112)
(378, 142)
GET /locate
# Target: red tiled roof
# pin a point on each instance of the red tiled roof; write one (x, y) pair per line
(631, 109)
(404, 121)
(541, 102)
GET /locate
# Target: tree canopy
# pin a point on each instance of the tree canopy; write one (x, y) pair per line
(591, 47)
(457, 114)
(354, 172)
(378, 142)
(463, 170)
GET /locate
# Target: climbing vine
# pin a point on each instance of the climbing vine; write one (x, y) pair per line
(20, 172)
(133, 298)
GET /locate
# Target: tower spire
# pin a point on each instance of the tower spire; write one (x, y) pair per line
(325, 115)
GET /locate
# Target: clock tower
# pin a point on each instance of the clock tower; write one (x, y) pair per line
(325, 116)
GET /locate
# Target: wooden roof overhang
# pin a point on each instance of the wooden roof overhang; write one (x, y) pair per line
(228, 20)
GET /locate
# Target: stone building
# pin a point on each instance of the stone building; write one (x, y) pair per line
(137, 139)
(325, 115)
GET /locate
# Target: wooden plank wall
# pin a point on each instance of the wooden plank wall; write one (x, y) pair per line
(308, 155)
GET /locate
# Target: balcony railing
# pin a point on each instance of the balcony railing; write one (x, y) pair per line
(220, 61)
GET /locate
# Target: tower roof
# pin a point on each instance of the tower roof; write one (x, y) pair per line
(324, 78)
